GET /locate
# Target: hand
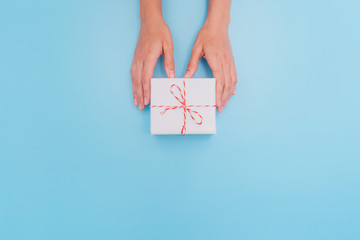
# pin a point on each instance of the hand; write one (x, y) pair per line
(154, 40)
(213, 44)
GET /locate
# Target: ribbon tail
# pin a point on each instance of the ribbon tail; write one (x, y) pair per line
(165, 110)
(183, 130)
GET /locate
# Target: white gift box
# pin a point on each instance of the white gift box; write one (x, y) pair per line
(183, 106)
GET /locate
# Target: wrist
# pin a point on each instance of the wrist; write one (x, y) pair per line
(218, 19)
(151, 17)
(216, 23)
(152, 22)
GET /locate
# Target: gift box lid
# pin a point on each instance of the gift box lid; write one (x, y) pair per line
(172, 97)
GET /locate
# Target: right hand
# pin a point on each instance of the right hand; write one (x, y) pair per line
(154, 40)
(213, 44)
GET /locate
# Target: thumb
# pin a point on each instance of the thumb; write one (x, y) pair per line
(193, 63)
(169, 61)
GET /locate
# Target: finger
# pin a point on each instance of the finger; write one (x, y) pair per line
(233, 77)
(133, 80)
(169, 61)
(219, 90)
(227, 87)
(140, 97)
(146, 76)
(139, 88)
(220, 81)
(134, 94)
(194, 62)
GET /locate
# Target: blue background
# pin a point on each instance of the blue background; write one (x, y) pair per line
(77, 159)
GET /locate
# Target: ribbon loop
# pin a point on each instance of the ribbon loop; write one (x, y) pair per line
(178, 91)
(195, 116)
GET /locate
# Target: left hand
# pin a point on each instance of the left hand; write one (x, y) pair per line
(213, 43)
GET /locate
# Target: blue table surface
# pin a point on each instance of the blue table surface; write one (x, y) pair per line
(77, 160)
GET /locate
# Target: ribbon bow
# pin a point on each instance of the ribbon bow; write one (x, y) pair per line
(181, 97)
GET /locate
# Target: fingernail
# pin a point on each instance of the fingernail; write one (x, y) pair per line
(172, 74)
(146, 101)
(187, 74)
(141, 106)
(220, 109)
(234, 92)
(135, 102)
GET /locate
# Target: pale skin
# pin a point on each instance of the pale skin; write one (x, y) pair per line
(212, 43)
